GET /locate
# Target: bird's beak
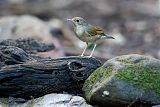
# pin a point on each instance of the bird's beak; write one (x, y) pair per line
(69, 19)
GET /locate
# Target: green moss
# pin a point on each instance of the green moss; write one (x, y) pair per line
(146, 78)
(98, 75)
(103, 73)
(107, 71)
(125, 61)
(93, 76)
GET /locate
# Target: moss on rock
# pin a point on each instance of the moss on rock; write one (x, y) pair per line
(142, 77)
(125, 61)
(99, 74)
(125, 78)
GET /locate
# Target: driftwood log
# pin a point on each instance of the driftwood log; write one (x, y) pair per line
(21, 75)
(30, 45)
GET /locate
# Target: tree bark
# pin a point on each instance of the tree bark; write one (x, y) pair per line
(21, 75)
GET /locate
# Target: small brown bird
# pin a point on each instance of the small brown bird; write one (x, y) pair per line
(88, 33)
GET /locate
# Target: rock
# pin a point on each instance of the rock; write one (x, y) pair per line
(125, 79)
(156, 106)
(50, 100)
(158, 54)
(26, 26)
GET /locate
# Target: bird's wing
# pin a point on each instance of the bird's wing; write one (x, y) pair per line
(95, 30)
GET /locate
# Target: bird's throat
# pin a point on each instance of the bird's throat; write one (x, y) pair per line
(79, 30)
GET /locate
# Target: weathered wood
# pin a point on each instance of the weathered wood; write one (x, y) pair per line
(29, 45)
(10, 55)
(23, 76)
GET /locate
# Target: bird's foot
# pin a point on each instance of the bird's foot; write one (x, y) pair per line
(82, 55)
(89, 56)
(86, 56)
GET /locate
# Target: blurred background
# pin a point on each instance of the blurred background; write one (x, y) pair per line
(134, 23)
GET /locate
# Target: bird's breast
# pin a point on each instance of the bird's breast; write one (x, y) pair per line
(79, 31)
(85, 37)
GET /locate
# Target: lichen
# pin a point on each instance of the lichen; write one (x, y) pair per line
(142, 77)
(98, 75)
(107, 71)
(93, 78)
(125, 61)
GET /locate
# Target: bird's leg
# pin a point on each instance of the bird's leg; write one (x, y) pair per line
(84, 49)
(93, 50)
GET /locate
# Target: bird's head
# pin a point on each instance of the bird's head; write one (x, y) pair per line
(78, 21)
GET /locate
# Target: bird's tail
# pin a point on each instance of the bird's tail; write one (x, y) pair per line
(107, 37)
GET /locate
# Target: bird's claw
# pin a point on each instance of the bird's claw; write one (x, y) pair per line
(89, 56)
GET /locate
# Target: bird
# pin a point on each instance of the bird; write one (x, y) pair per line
(88, 33)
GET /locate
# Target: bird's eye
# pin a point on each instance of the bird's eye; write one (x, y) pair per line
(77, 20)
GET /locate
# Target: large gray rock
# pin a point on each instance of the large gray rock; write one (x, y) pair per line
(26, 26)
(50, 100)
(125, 79)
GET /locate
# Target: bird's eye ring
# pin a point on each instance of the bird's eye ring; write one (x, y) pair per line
(77, 20)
